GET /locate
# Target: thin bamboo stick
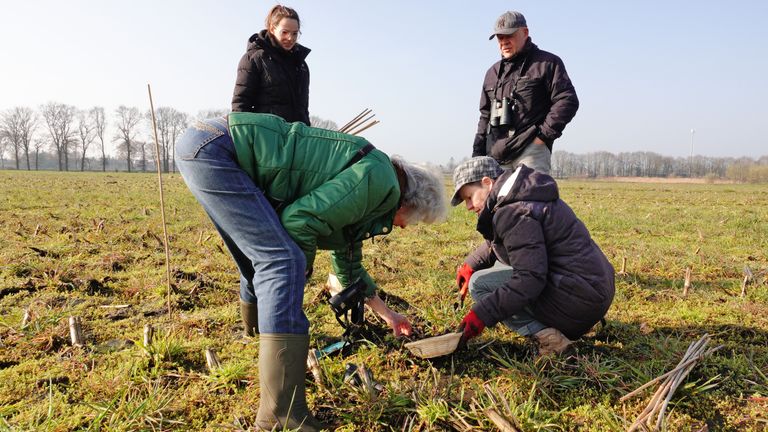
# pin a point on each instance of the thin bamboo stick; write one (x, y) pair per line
(162, 204)
(658, 404)
(373, 123)
(358, 123)
(355, 119)
(685, 362)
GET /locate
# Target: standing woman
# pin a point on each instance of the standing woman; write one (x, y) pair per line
(272, 76)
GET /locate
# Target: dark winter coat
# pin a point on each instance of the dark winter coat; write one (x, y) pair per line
(558, 270)
(272, 80)
(545, 102)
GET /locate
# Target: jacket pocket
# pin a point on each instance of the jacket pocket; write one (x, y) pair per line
(530, 90)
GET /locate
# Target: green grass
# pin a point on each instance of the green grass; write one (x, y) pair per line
(73, 243)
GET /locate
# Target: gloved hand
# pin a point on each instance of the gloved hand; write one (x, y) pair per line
(463, 273)
(471, 326)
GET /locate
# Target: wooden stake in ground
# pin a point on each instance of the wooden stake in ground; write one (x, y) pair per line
(314, 366)
(162, 203)
(687, 282)
(75, 331)
(746, 281)
(149, 333)
(623, 270)
(499, 421)
(212, 359)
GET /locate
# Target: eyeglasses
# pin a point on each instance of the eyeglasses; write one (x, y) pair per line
(290, 34)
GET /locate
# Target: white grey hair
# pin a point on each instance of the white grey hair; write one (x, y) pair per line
(424, 196)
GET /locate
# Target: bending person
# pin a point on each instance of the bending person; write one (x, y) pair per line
(539, 271)
(277, 192)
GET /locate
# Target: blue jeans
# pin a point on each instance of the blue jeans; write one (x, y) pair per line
(486, 281)
(271, 264)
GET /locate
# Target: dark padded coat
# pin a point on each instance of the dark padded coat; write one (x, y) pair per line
(273, 81)
(545, 102)
(559, 271)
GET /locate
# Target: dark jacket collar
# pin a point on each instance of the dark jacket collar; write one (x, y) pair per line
(526, 185)
(523, 53)
(264, 41)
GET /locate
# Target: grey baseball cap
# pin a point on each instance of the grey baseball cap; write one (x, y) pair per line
(471, 171)
(508, 23)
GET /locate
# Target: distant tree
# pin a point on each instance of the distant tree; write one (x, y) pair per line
(18, 125)
(179, 124)
(211, 113)
(127, 121)
(9, 134)
(85, 135)
(59, 118)
(318, 122)
(4, 143)
(38, 146)
(451, 165)
(99, 120)
(142, 147)
(170, 123)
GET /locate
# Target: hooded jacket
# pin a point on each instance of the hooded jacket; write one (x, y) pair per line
(559, 271)
(545, 101)
(272, 80)
(322, 203)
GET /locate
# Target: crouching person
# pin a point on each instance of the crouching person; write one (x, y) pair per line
(277, 192)
(538, 272)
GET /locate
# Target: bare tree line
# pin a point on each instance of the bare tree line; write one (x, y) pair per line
(649, 164)
(76, 137)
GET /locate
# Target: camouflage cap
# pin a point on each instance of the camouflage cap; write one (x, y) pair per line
(472, 171)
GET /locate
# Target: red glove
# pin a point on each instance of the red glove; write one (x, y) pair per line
(471, 325)
(463, 273)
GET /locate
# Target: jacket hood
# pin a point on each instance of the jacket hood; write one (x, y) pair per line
(522, 184)
(263, 41)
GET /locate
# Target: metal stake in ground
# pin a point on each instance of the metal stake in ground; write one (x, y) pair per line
(162, 203)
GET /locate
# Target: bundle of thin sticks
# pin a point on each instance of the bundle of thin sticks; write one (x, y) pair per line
(658, 405)
(360, 123)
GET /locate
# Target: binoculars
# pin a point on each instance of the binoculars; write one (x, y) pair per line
(501, 112)
(349, 304)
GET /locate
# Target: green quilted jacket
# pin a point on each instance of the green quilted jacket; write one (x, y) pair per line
(320, 204)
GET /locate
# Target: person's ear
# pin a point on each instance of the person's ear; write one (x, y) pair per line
(487, 182)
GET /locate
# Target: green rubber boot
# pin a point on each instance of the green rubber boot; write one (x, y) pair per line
(282, 374)
(249, 313)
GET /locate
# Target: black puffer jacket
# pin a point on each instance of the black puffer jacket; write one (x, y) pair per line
(558, 270)
(546, 102)
(272, 80)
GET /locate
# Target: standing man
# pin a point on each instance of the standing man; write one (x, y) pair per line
(526, 100)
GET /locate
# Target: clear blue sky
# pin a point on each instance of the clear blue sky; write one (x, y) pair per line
(646, 72)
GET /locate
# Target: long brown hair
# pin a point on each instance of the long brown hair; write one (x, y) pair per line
(277, 13)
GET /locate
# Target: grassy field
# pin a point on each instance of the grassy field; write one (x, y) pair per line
(83, 244)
